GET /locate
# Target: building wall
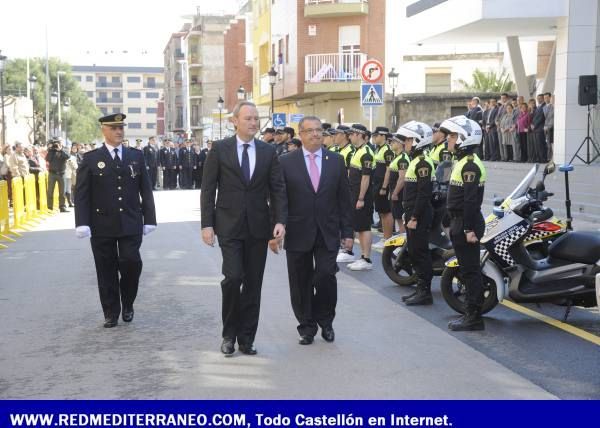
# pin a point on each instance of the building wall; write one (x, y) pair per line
(261, 42)
(237, 73)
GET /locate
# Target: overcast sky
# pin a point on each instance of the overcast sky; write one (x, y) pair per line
(81, 32)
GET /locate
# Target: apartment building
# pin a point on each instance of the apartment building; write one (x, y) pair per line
(134, 91)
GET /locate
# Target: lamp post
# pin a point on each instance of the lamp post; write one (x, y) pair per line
(66, 107)
(220, 103)
(32, 83)
(2, 63)
(241, 93)
(393, 76)
(54, 101)
(58, 74)
(272, 80)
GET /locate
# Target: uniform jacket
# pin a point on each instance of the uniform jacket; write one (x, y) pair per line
(114, 199)
(150, 156)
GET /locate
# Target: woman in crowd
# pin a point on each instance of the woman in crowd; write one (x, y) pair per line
(523, 123)
(506, 124)
(531, 106)
(70, 174)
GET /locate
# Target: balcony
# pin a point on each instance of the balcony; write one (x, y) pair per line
(195, 61)
(195, 90)
(334, 72)
(100, 84)
(335, 8)
(103, 100)
(156, 85)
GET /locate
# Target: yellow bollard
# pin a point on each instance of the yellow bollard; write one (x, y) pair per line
(18, 204)
(55, 198)
(5, 215)
(30, 199)
(43, 192)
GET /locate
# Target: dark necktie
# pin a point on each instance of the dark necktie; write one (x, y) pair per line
(246, 164)
(117, 158)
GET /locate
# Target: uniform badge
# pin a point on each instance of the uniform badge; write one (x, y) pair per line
(326, 157)
(469, 177)
(423, 172)
(101, 165)
(367, 164)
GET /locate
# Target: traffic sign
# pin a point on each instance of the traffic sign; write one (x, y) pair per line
(279, 119)
(296, 118)
(371, 71)
(371, 94)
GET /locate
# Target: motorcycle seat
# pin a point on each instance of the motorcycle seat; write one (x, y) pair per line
(579, 247)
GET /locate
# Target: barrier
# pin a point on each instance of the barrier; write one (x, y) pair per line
(31, 211)
(19, 215)
(4, 214)
(43, 192)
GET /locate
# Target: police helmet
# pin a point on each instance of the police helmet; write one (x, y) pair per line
(469, 132)
(419, 131)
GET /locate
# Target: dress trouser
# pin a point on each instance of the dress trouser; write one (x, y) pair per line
(118, 268)
(152, 171)
(54, 178)
(243, 267)
(313, 286)
(468, 259)
(418, 246)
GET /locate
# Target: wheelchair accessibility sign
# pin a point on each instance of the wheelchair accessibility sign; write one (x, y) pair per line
(371, 94)
(279, 119)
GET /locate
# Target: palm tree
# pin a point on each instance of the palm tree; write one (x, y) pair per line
(490, 81)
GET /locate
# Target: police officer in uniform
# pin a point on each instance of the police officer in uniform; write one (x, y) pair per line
(280, 142)
(418, 211)
(383, 158)
(268, 135)
(467, 225)
(329, 139)
(168, 162)
(397, 172)
(114, 206)
(341, 140)
(151, 159)
(442, 159)
(187, 165)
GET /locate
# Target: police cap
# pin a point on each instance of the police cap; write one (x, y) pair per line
(113, 119)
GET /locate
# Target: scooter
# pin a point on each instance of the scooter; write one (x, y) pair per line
(566, 277)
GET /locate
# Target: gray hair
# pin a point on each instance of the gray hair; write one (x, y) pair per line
(238, 107)
(301, 123)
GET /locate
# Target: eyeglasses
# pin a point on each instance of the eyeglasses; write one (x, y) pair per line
(313, 131)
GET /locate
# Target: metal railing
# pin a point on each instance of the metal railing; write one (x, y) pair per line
(333, 67)
(109, 100)
(109, 84)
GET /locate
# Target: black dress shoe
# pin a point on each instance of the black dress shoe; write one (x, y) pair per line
(408, 296)
(128, 313)
(248, 349)
(227, 347)
(471, 321)
(306, 340)
(110, 322)
(328, 334)
(421, 298)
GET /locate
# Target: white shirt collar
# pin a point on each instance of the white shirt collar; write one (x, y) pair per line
(318, 153)
(111, 149)
(241, 142)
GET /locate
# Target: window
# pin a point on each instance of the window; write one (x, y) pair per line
(151, 82)
(90, 94)
(102, 95)
(151, 110)
(116, 79)
(134, 95)
(77, 78)
(152, 95)
(437, 80)
(150, 125)
(89, 78)
(134, 125)
(134, 79)
(349, 38)
(116, 95)
(104, 111)
(133, 110)
(116, 110)
(287, 48)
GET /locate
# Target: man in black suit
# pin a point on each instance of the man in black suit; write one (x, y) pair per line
(151, 159)
(247, 176)
(537, 126)
(319, 214)
(187, 164)
(114, 206)
(492, 143)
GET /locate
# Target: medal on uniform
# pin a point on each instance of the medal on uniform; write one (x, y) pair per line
(101, 165)
(133, 174)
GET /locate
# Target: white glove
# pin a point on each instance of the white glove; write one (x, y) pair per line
(83, 232)
(149, 228)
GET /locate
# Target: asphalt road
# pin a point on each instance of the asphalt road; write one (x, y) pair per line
(52, 344)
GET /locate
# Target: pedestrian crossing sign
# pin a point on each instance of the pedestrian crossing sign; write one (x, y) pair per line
(371, 94)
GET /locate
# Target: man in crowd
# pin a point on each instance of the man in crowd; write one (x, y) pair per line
(57, 164)
(151, 159)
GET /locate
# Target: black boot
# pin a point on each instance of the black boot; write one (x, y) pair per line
(422, 297)
(68, 198)
(470, 321)
(408, 296)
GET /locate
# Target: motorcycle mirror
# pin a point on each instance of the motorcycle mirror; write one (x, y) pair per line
(549, 168)
(540, 187)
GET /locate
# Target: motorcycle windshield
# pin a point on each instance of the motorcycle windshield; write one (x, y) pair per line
(522, 188)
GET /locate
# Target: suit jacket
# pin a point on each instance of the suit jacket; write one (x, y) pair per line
(476, 114)
(539, 119)
(491, 119)
(328, 210)
(114, 200)
(237, 200)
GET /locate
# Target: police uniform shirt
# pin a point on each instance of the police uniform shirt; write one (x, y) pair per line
(383, 158)
(418, 185)
(440, 153)
(347, 152)
(400, 163)
(361, 164)
(465, 194)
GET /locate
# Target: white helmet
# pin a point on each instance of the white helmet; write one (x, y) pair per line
(469, 132)
(421, 132)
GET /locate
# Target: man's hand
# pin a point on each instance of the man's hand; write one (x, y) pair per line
(394, 197)
(279, 231)
(471, 237)
(275, 245)
(382, 192)
(412, 224)
(348, 243)
(83, 232)
(360, 204)
(208, 236)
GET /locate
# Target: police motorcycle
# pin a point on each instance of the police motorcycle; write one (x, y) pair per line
(520, 225)
(395, 260)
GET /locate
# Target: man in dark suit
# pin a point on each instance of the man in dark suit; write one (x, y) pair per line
(187, 165)
(246, 174)
(319, 214)
(537, 126)
(151, 159)
(114, 206)
(491, 135)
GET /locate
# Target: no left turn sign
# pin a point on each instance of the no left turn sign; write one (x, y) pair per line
(372, 71)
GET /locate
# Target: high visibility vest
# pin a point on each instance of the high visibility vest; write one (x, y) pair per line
(380, 155)
(411, 171)
(456, 178)
(348, 148)
(356, 157)
(394, 165)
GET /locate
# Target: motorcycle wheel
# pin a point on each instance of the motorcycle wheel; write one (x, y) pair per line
(398, 268)
(454, 291)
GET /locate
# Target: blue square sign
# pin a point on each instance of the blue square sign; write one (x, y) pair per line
(371, 94)
(279, 119)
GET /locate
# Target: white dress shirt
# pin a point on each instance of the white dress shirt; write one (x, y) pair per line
(111, 150)
(251, 153)
(318, 159)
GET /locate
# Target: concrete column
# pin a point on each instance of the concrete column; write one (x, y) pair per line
(550, 77)
(518, 68)
(576, 55)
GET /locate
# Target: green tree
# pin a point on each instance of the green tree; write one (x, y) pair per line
(81, 121)
(488, 82)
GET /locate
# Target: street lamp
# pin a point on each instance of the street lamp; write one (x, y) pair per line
(2, 63)
(220, 103)
(66, 107)
(54, 101)
(241, 93)
(32, 84)
(58, 74)
(393, 76)
(272, 80)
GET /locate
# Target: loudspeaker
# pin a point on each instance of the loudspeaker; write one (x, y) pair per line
(588, 90)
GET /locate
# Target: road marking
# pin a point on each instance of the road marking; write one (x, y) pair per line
(582, 334)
